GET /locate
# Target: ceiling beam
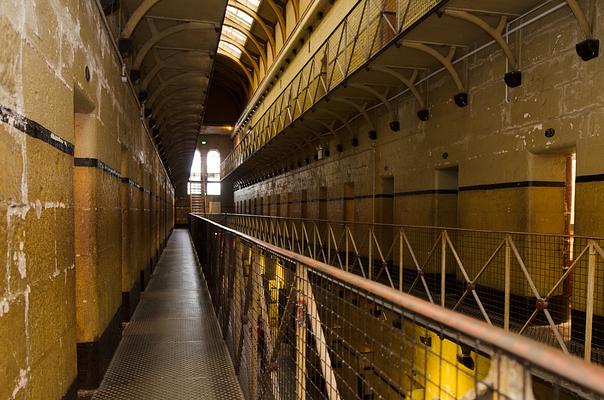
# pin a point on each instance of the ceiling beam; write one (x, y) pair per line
(156, 38)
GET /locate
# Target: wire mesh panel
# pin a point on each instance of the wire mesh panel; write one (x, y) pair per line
(367, 29)
(300, 329)
(547, 287)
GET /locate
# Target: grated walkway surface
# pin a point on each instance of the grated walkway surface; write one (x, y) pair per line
(172, 348)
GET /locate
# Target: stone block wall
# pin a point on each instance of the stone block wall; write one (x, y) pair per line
(85, 203)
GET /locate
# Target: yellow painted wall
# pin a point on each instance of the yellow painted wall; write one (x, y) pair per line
(65, 266)
(499, 138)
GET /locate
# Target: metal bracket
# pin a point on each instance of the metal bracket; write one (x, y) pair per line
(512, 78)
(584, 24)
(360, 109)
(423, 114)
(590, 47)
(461, 98)
(339, 118)
(394, 124)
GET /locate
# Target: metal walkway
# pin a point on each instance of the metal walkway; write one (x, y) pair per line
(172, 348)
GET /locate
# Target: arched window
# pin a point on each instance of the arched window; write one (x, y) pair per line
(213, 170)
(196, 167)
(213, 163)
(194, 186)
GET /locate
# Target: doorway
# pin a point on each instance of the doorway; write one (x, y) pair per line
(303, 204)
(569, 218)
(385, 214)
(323, 203)
(445, 198)
(349, 202)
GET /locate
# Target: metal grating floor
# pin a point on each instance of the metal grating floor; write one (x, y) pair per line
(172, 348)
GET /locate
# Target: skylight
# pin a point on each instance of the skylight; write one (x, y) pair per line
(234, 34)
(241, 16)
(253, 4)
(230, 48)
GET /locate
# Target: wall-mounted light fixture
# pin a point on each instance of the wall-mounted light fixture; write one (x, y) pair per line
(513, 78)
(465, 358)
(588, 49)
(423, 114)
(461, 99)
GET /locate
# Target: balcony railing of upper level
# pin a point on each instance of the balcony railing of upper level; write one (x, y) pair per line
(362, 34)
(297, 328)
(548, 287)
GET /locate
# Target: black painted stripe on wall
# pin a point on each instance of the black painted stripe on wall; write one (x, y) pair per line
(35, 130)
(135, 184)
(424, 192)
(369, 196)
(131, 182)
(94, 163)
(590, 178)
(511, 185)
(494, 186)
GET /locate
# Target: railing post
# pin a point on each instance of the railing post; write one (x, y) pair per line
(314, 241)
(300, 335)
(302, 233)
(255, 270)
(370, 261)
(232, 265)
(398, 16)
(400, 260)
(507, 284)
(347, 249)
(367, 24)
(589, 304)
(443, 266)
(328, 243)
(307, 307)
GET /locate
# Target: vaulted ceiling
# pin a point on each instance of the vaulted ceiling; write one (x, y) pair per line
(171, 46)
(190, 70)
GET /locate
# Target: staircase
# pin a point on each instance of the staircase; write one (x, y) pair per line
(198, 203)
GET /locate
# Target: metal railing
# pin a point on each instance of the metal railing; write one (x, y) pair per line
(297, 328)
(547, 287)
(362, 34)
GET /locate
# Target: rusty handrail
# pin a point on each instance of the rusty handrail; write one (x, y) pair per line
(573, 369)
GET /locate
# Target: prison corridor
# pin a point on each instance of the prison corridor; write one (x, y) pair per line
(172, 348)
(301, 199)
